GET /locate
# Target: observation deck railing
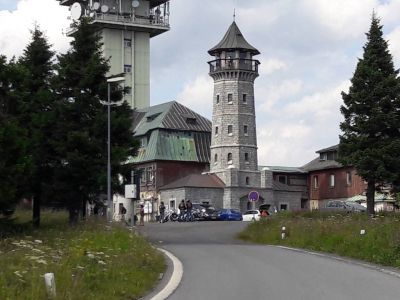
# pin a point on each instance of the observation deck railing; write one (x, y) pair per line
(229, 64)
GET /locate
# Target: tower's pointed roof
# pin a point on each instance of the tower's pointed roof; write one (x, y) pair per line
(233, 40)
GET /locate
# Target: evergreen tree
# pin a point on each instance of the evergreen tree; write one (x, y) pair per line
(82, 123)
(370, 139)
(14, 161)
(36, 113)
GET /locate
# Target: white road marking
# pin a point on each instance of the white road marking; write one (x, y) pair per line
(175, 279)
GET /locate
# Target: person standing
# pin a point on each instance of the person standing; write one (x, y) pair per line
(141, 213)
(182, 210)
(189, 207)
(162, 212)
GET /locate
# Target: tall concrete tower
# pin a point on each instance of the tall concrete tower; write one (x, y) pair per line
(126, 27)
(234, 140)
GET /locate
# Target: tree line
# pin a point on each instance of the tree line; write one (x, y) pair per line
(53, 126)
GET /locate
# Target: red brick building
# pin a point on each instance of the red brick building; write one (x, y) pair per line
(329, 180)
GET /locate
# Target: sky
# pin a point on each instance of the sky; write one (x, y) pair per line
(309, 51)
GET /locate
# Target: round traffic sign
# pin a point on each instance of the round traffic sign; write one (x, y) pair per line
(254, 196)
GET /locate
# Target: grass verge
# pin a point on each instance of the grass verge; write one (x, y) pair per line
(338, 234)
(90, 261)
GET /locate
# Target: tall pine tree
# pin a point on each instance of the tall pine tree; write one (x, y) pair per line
(14, 159)
(370, 139)
(82, 123)
(36, 113)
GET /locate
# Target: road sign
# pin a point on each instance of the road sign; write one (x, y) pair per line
(254, 196)
(130, 191)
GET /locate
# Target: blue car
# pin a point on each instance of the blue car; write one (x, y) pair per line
(229, 215)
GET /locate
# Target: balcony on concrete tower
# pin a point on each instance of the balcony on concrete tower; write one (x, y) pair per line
(153, 18)
(233, 64)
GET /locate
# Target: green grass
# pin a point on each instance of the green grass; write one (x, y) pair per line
(333, 233)
(90, 261)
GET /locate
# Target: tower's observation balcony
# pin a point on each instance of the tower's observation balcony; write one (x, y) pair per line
(233, 64)
(151, 16)
(153, 23)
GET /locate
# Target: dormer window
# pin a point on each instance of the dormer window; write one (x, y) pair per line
(152, 117)
(191, 120)
(323, 156)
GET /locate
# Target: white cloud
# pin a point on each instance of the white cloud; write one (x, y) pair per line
(268, 96)
(394, 45)
(320, 105)
(271, 65)
(15, 26)
(346, 19)
(198, 95)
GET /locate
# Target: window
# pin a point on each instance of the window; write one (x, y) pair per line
(245, 130)
(244, 98)
(282, 179)
(348, 178)
(127, 68)
(216, 158)
(191, 120)
(128, 90)
(331, 180)
(143, 177)
(216, 130)
(315, 181)
(172, 204)
(246, 157)
(230, 130)
(229, 158)
(323, 156)
(230, 98)
(283, 207)
(150, 174)
(217, 100)
(143, 142)
(247, 181)
(128, 43)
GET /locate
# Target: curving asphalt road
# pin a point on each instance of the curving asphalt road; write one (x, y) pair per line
(219, 267)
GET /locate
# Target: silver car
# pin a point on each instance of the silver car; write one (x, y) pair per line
(344, 206)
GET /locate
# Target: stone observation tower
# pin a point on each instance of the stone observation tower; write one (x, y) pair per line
(233, 140)
(126, 27)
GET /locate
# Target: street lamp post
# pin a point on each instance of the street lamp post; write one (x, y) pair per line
(112, 79)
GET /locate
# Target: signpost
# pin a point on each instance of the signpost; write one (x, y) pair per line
(253, 197)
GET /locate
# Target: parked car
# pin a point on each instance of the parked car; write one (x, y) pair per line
(344, 206)
(251, 215)
(228, 214)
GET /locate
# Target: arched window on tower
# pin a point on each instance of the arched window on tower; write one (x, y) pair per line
(247, 181)
(230, 158)
(215, 158)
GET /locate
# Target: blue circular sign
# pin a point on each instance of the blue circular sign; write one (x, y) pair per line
(254, 196)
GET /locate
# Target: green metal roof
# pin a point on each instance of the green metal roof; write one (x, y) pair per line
(172, 132)
(176, 146)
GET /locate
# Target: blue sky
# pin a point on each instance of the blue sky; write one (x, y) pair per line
(8, 4)
(309, 50)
